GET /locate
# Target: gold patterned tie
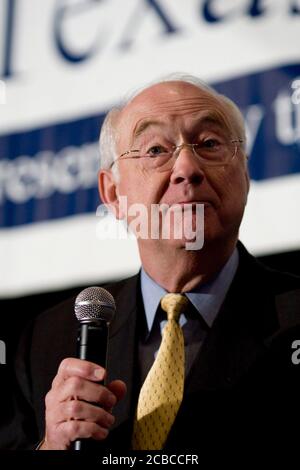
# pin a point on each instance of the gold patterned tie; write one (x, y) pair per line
(162, 391)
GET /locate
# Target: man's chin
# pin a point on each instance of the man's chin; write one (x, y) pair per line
(188, 244)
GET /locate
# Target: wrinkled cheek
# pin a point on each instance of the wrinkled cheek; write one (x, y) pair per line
(229, 185)
(217, 179)
(232, 196)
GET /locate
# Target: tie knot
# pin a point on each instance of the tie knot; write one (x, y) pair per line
(174, 305)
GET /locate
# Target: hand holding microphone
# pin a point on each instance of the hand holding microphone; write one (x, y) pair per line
(79, 405)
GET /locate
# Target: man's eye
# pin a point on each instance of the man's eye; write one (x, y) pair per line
(210, 143)
(156, 150)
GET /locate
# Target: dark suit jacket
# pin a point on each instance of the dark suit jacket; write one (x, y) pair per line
(242, 379)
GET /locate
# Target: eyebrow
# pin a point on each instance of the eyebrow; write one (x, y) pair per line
(142, 126)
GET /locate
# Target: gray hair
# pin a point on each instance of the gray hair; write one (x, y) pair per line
(108, 134)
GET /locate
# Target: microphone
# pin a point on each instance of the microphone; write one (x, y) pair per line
(94, 309)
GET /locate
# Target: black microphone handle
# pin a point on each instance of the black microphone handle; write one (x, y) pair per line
(92, 342)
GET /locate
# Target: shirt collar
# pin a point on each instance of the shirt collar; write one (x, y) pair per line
(206, 298)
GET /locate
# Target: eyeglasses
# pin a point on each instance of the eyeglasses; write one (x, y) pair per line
(210, 152)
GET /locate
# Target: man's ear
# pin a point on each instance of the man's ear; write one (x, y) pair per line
(108, 190)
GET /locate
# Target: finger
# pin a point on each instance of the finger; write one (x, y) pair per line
(76, 387)
(80, 410)
(70, 367)
(72, 430)
(118, 388)
(85, 430)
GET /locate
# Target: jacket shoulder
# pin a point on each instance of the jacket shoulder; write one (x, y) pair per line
(282, 287)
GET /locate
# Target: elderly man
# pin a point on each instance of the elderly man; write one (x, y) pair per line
(199, 340)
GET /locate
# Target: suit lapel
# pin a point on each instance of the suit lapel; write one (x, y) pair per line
(237, 337)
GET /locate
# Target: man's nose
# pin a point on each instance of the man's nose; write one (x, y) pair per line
(187, 168)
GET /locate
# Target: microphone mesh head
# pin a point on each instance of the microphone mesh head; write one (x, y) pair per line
(94, 303)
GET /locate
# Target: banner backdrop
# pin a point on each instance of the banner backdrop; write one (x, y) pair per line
(64, 63)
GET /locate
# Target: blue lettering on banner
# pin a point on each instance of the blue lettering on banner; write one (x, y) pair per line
(135, 22)
(254, 9)
(50, 173)
(60, 16)
(8, 38)
(294, 8)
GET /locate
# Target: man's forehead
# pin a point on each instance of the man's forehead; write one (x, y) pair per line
(169, 95)
(168, 100)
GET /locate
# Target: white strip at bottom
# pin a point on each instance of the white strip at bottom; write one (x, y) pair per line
(60, 254)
